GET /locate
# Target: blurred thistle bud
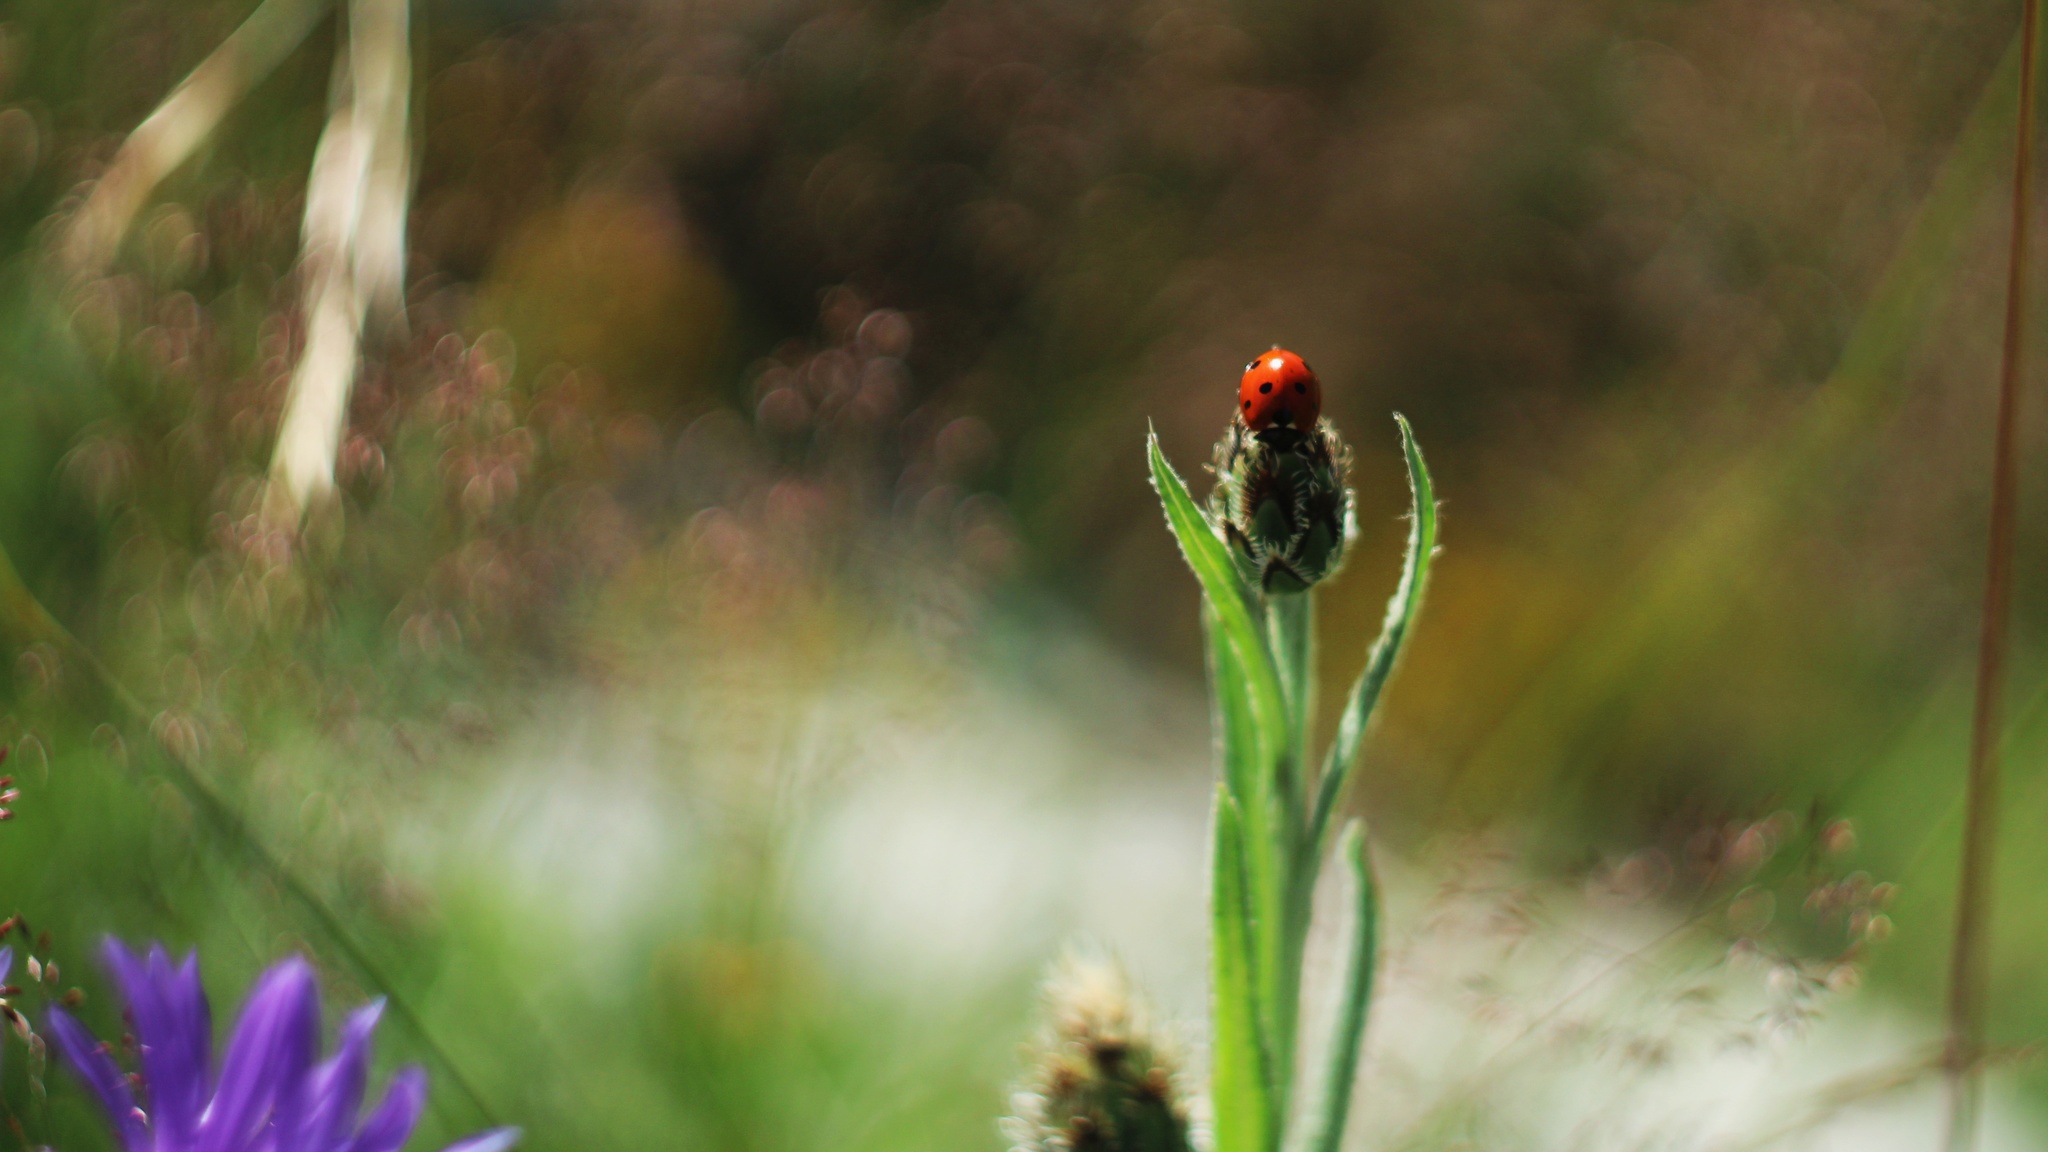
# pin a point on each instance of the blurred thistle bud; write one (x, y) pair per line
(1100, 1082)
(1281, 500)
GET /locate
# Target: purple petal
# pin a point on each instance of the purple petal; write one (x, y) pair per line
(336, 1087)
(392, 1122)
(495, 1140)
(186, 997)
(175, 1046)
(270, 1052)
(100, 1073)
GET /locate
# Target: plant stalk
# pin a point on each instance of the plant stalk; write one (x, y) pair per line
(178, 126)
(1970, 957)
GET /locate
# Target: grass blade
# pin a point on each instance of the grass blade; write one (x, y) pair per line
(1325, 1131)
(1379, 662)
(1240, 1084)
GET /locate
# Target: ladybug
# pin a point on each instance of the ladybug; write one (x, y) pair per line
(1279, 390)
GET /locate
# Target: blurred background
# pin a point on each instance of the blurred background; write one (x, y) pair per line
(741, 649)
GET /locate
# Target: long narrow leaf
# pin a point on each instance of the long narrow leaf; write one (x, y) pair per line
(1227, 594)
(1379, 662)
(1240, 1080)
(1265, 805)
(1324, 1131)
(1257, 743)
(1241, 752)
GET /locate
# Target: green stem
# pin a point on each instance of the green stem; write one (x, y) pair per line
(1290, 630)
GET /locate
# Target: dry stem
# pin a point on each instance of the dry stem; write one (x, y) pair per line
(1965, 1044)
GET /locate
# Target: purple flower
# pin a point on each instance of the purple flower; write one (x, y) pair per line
(270, 1095)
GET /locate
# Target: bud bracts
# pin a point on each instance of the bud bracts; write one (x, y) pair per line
(1281, 501)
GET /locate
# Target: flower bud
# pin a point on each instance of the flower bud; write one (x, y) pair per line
(1102, 1082)
(1281, 500)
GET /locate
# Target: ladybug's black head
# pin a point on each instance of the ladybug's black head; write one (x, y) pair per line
(1281, 435)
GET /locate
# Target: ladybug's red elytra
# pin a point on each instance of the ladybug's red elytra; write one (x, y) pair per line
(1279, 390)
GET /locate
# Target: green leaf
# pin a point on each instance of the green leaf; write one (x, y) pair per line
(1246, 771)
(1271, 840)
(1379, 662)
(1240, 1084)
(1257, 743)
(1227, 594)
(1324, 1130)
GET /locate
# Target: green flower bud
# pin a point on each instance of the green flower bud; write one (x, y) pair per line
(1281, 500)
(1101, 1082)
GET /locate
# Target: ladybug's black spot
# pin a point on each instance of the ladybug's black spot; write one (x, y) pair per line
(1266, 387)
(1247, 405)
(1300, 387)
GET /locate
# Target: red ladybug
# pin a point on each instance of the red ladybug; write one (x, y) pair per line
(1279, 390)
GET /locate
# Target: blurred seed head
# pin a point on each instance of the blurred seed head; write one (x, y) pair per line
(1102, 1082)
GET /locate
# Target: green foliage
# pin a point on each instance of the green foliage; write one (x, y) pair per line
(1240, 1085)
(1267, 851)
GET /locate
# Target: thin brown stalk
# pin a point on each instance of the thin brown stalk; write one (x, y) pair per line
(1963, 1054)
